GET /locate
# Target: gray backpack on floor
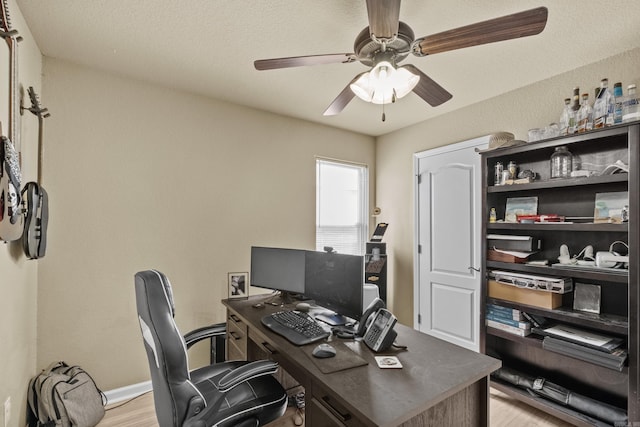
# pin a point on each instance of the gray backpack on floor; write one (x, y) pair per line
(65, 396)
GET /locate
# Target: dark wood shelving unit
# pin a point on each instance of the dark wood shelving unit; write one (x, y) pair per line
(620, 288)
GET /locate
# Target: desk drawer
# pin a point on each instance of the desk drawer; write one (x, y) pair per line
(237, 337)
(319, 416)
(326, 410)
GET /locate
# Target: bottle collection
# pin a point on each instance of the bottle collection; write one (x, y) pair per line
(610, 107)
(579, 114)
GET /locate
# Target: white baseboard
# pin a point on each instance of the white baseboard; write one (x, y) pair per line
(127, 392)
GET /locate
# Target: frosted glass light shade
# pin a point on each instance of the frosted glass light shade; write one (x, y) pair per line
(362, 87)
(405, 81)
(384, 83)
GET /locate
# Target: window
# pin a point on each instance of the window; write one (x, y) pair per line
(341, 206)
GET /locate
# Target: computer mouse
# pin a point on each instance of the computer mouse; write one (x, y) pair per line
(323, 351)
(303, 306)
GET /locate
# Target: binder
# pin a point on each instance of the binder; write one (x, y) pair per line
(614, 360)
(599, 342)
(514, 243)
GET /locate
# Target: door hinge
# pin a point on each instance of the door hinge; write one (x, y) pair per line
(419, 177)
(420, 319)
(419, 249)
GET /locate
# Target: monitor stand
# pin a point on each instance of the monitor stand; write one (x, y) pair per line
(332, 318)
(288, 297)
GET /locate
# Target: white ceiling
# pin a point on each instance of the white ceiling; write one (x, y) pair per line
(208, 47)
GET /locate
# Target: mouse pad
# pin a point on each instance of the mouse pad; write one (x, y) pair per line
(345, 358)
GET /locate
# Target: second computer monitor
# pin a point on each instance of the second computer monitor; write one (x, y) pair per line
(335, 281)
(279, 269)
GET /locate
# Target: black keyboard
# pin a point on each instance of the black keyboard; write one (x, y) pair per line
(298, 328)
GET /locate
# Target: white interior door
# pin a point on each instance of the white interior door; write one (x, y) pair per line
(447, 254)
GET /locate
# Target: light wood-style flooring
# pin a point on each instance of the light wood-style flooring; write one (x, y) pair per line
(505, 412)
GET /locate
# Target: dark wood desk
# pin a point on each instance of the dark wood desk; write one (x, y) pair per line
(440, 384)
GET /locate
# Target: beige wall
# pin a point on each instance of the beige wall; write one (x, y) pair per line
(142, 176)
(516, 112)
(18, 276)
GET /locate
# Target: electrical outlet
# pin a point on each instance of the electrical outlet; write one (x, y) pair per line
(7, 411)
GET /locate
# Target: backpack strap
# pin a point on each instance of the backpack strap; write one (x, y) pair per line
(53, 366)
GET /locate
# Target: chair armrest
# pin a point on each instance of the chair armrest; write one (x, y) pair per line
(219, 329)
(227, 381)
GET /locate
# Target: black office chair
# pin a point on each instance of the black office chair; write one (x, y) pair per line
(234, 393)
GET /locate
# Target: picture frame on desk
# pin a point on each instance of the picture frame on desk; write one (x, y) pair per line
(238, 285)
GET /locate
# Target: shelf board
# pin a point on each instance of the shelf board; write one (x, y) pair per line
(530, 340)
(603, 322)
(550, 226)
(613, 276)
(558, 411)
(569, 140)
(559, 183)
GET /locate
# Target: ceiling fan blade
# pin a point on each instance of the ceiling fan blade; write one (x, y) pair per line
(341, 100)
(299, 61)
(428, 89)
(522, 24)
(384, 16)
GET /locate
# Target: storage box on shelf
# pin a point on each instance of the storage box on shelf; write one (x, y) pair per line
(573, 198)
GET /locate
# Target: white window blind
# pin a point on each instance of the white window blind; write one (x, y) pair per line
(341, 206)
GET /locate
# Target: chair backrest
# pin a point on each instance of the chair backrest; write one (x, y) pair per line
(174, 395)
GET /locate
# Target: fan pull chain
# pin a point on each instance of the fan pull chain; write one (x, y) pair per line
(384, 117)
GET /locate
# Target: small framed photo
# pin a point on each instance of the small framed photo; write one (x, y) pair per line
(520, 206)
(609, 207)
(238, 285)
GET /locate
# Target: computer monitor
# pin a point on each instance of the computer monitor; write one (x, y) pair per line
(335, 281)
(279, 269)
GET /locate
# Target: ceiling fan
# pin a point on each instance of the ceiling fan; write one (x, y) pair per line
(387, 41)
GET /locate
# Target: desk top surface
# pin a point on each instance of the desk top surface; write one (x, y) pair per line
(432, 371)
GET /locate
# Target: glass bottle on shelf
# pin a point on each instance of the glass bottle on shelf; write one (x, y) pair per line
(497, 173)
(601, 117)
(567, 117)
(575, 106)
(631, 107)
(561, 163)
(585, 115)
(618, 100)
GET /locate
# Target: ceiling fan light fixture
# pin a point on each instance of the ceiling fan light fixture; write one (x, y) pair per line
(405, 81)
(362, 87)
(384, 83)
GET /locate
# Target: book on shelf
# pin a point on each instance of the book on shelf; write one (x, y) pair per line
(508, 328)
(540, 218)
(507, 321)
(600, 342)
(614, 360)
(510, 313)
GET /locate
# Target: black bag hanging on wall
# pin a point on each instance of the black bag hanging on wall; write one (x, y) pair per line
(65, 396)
(34, 237)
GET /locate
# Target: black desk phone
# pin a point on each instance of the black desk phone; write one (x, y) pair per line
(378, 334)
